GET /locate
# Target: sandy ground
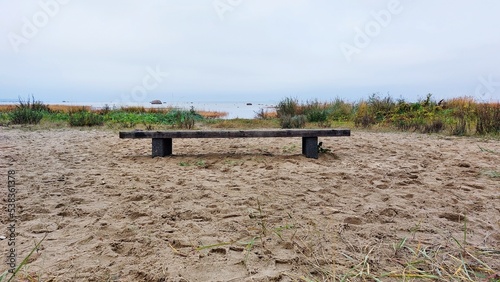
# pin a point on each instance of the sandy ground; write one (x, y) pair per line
(250, 209)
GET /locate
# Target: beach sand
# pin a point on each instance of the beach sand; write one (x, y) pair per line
(247, 209)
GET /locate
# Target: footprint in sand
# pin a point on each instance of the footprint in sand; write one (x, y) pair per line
(453, 217)
(353, 220)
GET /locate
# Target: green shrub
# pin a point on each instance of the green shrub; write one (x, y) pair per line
(316, 115)
(34, 105)
(28, 112)
(25, 116)
(4, 118)
(176, 117)
(363, 116)
(56, 116)
(124, 119)
(105, 110)
(288, 107)
(340, 110)
(380, 108)
(315, 111)
(182, 118)
(488, 118)
(261, 114)
(460, 127)
(434, 126)
(298, 121)
(133, 109)
(85, 118)
(402, 107)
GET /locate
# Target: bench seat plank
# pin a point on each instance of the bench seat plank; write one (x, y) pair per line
(235, 133)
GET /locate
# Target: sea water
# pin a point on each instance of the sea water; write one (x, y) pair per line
(233, 109)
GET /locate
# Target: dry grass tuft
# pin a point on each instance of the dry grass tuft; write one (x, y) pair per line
(68, 108)
(212, 114)
(7, 108)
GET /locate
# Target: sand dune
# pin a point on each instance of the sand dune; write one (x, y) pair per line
(245, 209)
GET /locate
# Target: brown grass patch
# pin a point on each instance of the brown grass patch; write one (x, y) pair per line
(239, 123)
(7, 108)
(55, 108)
(212, 114)
(268, 113)
(68, 108)
(461, 103)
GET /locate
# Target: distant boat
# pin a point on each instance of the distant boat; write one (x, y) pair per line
(249, 104)
(156, 102)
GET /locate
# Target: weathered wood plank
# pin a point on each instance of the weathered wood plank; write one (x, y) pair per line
(236, 133)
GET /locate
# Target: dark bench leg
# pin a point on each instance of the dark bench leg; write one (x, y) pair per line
(162, 147)
(310, 147)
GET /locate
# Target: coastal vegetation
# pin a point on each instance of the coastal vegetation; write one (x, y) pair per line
(36, 112)
(457, 116)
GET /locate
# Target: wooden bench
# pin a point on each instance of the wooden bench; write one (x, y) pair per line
(162, 140)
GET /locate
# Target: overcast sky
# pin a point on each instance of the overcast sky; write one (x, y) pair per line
(248, 50)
